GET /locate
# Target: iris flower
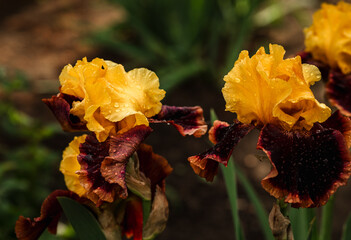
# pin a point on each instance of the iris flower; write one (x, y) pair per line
(306, 145)
(110, 164)
(328, 46)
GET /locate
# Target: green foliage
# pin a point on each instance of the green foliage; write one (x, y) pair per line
(26, 165)
(83, 221)
(180, 39)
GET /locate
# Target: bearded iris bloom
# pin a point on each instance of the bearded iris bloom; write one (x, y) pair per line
(110, 164)
(306, 145)
(328, 46)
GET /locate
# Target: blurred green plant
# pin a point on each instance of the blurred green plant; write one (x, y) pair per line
(26, 164)
(180, 39)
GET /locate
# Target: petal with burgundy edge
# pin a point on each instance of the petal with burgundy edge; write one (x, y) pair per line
(187, 120)
(227, 137)
(27, 229)
(61, 105)
(307, 166)
(103, 164)
(338, 90)
(133, 219)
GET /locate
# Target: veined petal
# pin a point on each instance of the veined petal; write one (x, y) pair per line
(103, 164)
(227, 137)
(307, 166)
(268, 89)
(187, 120)
(50, 213)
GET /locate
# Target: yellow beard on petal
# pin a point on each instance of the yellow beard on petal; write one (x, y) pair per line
(110, 95)
(70, 165)
(328, 39)
(268, 89)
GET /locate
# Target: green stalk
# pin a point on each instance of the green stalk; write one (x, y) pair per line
(259, 209)
(230, 182)
(327, 220)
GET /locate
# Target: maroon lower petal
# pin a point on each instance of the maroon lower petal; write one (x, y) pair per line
(61, 105)
(307, 166)
(154, 166)
(133, 219)
(103, 164)
(227, 137)
(338, 90)
(187, 120)
(27, 229)
(341, 123)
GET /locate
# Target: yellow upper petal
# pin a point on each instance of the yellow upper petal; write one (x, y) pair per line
(112, 99)
(268, 89)
(329, 37)
(69, 165)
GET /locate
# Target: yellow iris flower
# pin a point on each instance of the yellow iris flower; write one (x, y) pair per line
(328, 39)
(70, 165)
(113, 100)
(268, 89)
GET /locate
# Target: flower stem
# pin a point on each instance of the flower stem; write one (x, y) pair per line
(327, 219)
(230, 182)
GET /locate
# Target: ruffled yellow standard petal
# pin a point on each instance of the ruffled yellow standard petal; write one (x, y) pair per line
(328, 39)
(112, 99)
(268, 89)
(69, 165)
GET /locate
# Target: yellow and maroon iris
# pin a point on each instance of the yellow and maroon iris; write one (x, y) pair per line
(108, 95)
(306, 145)
(328, 39)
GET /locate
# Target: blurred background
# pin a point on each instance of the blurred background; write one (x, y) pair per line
(190, 44)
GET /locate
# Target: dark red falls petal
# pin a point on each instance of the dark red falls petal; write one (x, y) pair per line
(60, 105)
(307, 167)
(227, 137)
(154, 166)
(341, 123)
(133, 219)
(27, 229)
(103, 164)
(338, 90)
(187, 120)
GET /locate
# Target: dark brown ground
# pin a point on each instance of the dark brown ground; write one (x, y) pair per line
(39, 38)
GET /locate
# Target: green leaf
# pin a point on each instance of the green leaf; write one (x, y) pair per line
(259, 209)
(346, 233)
(82, 220)
(230, 182)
